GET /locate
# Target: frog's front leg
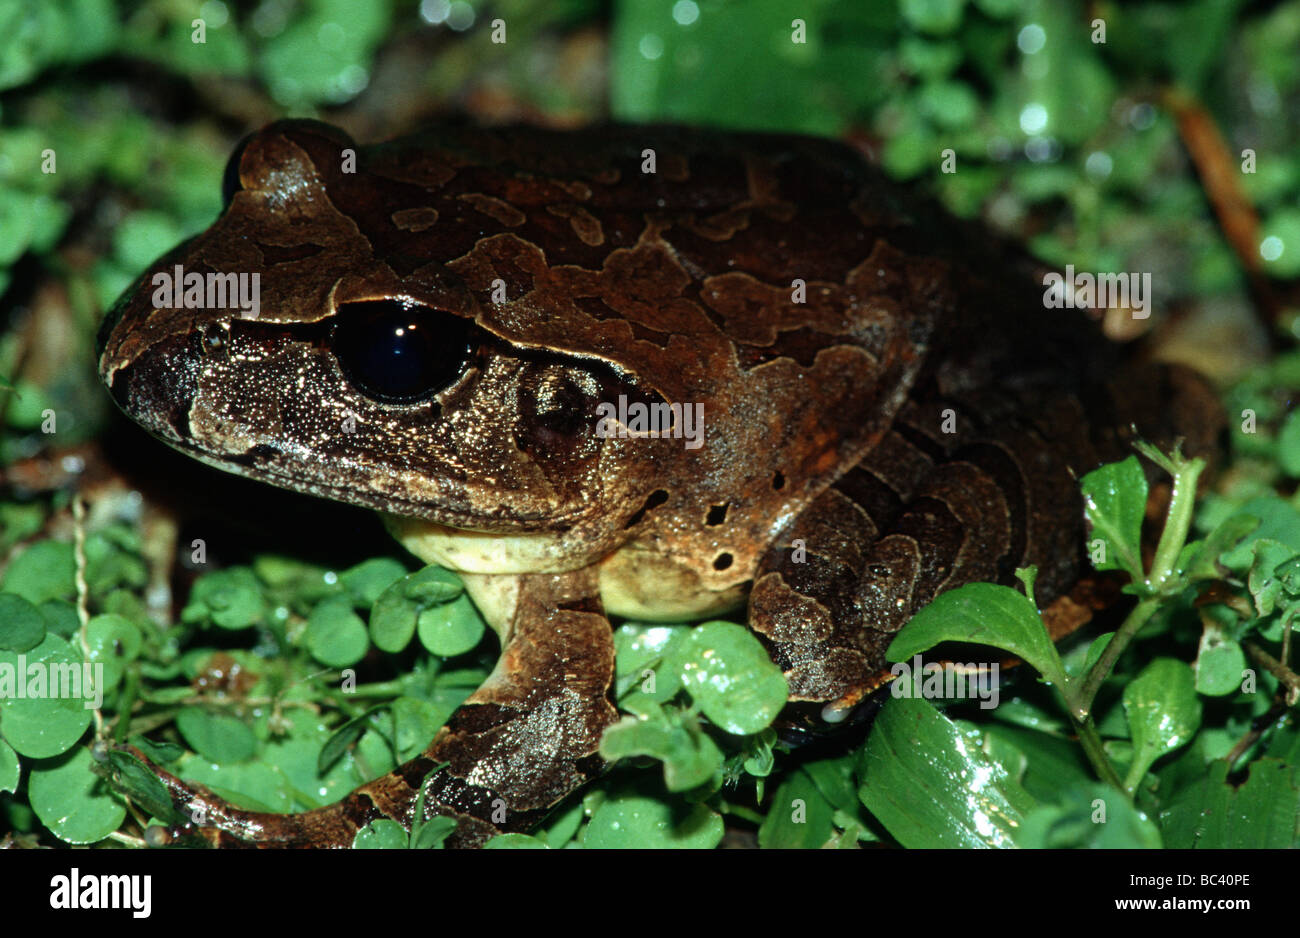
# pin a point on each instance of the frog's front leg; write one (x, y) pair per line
(518, 745)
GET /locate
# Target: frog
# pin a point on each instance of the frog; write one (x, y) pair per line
(861, 402)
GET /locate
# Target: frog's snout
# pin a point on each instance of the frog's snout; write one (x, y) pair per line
(157, 389)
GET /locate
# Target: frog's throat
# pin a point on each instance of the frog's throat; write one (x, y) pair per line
(634, 582)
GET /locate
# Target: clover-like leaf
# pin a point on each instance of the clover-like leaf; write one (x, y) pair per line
(689, 755)
(395, 613)
(382, 834)
(217, 737)
(45, 706)
(452, 628)
(634, 820)
(114, 642)
(231, 599)
(336, 636)
(731, 677)
(72, 801)
(10, 770)
(22, 627)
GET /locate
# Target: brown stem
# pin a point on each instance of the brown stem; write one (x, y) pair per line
(1220, 176)
(1276, 668)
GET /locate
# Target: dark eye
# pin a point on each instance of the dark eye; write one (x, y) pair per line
(399, 352)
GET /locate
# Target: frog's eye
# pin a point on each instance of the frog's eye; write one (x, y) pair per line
(398, 352)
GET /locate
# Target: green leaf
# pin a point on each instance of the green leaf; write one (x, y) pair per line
(731, 677)
(932, 786)
(432, 586)
(515, 842)
(415, 723)
(640, 648)
(834, 779)
(336, 636)
(392, 621)
(1220, 662)
(799, 818)
(1163, 712)
(10, 770)
(1044, 764)
(342, 739)
(216, 737)
(394, 615)
(1288, 574)
(633, 820)
(368, 580)
(759, 759)
(1288, 444)
(254, 785)
(1088, 817)
(984, 614)
(60, 617)
(561, 827)
(1278, 521)
(22, 627)
(114, 642)
(431, 834)
(72, 801)
(451, 628)
(1282, 228)
(141, 785)
(55, 710)
(382, 834)
(45, 570)
(689, 755)
(1115, 499)
(1267, 588)
(160, 753)
(1261, 814)
(1225, 536)
(231, 599)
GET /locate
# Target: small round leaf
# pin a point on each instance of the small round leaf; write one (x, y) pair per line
(72, 801)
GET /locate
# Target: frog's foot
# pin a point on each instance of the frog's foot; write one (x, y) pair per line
(522, 742)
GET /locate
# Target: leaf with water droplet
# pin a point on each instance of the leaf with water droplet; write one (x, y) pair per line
(932, 785)
(1115, 500)
(1163, 712)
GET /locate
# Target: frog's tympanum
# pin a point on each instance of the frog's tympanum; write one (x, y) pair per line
(861, 403)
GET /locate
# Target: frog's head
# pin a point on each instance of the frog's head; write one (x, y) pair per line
(309, 339)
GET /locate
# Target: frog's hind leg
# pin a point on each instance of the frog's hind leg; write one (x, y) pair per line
(520, 743)
(958, 491)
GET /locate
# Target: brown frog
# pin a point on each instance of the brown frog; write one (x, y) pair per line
(652, 372)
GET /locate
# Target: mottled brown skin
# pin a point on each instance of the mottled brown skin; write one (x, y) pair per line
(824, 419)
